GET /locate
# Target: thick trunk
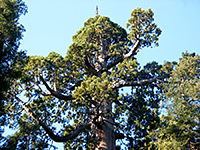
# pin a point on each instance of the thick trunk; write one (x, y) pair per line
(107, 137)
(104, 129)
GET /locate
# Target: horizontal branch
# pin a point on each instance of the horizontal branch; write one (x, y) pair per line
(55, 93)
(50, 133)
(128, 55)
(137, 83)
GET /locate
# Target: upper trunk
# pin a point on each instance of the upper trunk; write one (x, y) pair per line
(104, 130)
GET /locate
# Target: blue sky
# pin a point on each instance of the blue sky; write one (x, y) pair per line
(50, 25)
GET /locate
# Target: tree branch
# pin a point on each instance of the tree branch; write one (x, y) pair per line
(77, 83)
(39, 90)
(137, 83)
(54, 93)
(128, 55)
(133, 50)
(88, 65)
(54, 137)
(119, 136)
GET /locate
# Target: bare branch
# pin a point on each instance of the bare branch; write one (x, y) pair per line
(133, 50)
(54, 93)
(137, 83)
(53, 136)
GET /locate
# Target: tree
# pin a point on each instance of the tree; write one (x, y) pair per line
(10, 35)
(180, 127)
(82, 91)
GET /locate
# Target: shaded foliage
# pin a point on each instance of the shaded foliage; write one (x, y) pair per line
(10, 57)
(180, 126)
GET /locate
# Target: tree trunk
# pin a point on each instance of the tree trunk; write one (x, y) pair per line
(107, 137)
(105, 130)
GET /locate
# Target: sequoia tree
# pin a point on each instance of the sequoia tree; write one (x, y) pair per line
(83, 91)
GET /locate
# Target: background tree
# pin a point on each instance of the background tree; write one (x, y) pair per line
(82, 91)
(180, 127)
(10, 35)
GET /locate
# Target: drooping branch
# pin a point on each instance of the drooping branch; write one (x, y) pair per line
(55, 93)
(138, 83)
(127, 55)
(51, 134)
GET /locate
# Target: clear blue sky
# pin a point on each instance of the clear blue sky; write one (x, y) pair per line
(50, 24)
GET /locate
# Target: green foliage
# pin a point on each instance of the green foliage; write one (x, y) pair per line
(10, 58)
(181, 125)
(54, 68)
(100, 60)
(137, 113)
(26, 137)
(141, 25)
(10, 34)
(98, 33)
(101, 31)
(90, 72)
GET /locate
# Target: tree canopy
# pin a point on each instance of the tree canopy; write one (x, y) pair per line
(10, 36)
(98, 96)
(180, 127)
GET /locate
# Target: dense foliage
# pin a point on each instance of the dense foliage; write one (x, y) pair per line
(180, 127)
(10, 35)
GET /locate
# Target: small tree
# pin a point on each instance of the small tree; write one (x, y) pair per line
(82, 91)
(180, 127)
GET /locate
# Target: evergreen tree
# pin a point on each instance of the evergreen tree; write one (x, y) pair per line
(180, 127)
(10, 35)
(81, 92)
